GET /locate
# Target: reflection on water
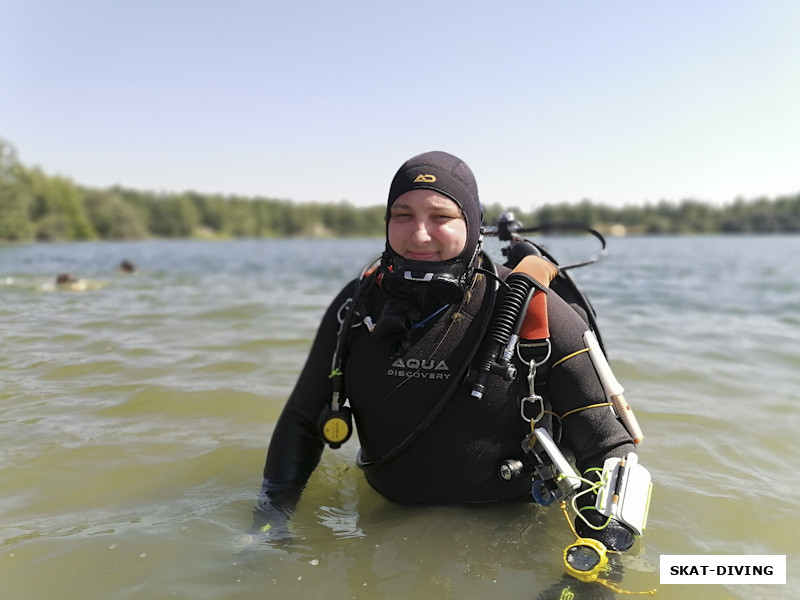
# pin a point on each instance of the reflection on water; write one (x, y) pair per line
(135, 415)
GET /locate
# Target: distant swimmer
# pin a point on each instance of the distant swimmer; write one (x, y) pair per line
(66, 278)
(71, 282)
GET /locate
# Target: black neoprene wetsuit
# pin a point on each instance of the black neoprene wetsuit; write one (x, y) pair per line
(456, 458)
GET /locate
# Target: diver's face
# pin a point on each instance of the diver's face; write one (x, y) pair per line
(426, 225)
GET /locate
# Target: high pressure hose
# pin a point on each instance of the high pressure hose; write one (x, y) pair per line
(503, 333)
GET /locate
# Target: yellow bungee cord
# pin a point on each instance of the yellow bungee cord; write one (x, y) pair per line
(586, 558)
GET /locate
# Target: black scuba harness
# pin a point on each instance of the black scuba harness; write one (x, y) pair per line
(498, 331)
(335, 422)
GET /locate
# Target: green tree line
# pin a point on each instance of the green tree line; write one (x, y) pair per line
(35, 206)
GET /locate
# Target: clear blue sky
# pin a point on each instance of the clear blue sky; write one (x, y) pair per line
(617, 101)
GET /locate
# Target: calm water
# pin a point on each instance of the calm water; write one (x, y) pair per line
(134, 418)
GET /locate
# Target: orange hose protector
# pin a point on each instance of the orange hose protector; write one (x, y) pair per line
(535, 326)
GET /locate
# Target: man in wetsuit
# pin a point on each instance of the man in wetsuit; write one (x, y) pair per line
(425, 437)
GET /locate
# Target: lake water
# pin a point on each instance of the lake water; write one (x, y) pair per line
(135, 415)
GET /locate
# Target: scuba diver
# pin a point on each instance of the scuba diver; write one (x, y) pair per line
(467, 380)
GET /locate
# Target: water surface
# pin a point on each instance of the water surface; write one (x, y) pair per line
(135, 415)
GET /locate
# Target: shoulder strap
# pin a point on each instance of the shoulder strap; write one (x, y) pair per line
(561, 284)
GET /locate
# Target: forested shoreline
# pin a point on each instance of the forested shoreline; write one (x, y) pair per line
(35, 206)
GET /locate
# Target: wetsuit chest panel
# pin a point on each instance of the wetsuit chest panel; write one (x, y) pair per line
(456, 457)
(391, 395)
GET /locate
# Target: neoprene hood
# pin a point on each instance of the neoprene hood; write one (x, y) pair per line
(448, 175)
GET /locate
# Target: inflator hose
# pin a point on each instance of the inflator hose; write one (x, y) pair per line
(505, 326)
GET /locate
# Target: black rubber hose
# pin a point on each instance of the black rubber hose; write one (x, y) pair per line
(506, 322)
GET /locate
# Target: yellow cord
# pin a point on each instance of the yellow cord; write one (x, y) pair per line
(568, 356)
(612, 586)
(569, 521)
(575, 410)
(571, 412)
(593, 486)
(615, 588)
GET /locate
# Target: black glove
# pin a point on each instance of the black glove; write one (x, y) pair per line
(615, 535)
